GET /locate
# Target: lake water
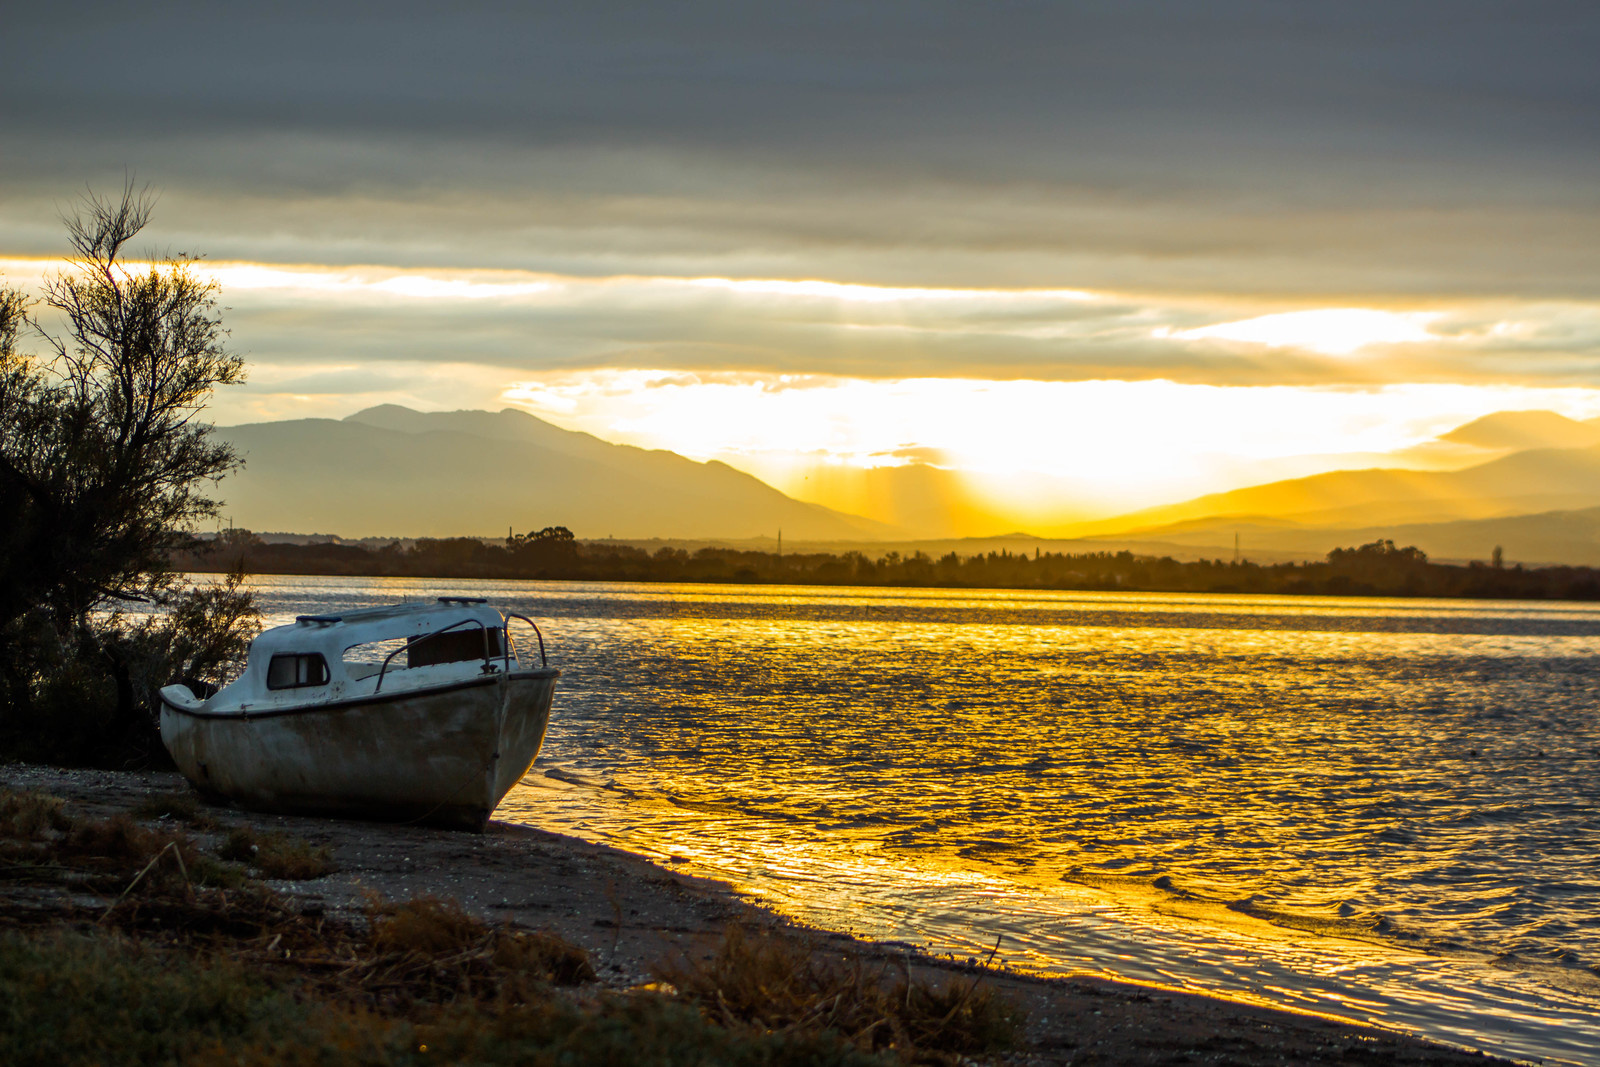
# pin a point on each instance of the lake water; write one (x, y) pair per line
(1383, 810)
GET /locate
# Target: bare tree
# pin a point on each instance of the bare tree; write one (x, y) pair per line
(13, 313)
(105, 471)
(102, 462)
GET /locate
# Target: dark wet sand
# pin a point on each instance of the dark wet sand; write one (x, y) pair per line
(631, 913)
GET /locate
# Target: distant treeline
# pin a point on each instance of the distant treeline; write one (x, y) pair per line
(1376, 569)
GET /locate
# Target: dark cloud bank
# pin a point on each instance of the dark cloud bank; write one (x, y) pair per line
(1369, 149)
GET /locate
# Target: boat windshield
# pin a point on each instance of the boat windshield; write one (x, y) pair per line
(366, 659)
(453, 646)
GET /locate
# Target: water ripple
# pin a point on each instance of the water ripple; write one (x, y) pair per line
(923, 763)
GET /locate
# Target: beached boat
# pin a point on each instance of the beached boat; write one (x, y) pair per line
(419, 712)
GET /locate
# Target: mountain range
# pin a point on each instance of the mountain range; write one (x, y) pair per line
(1528, 482)
(1535, 492)
(390, 470)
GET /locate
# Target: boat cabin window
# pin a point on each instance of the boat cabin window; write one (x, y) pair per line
(297, 671)
(454, 646)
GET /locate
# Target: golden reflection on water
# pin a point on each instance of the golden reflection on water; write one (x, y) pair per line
(1156, 786)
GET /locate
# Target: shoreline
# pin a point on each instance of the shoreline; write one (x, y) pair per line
(1473, 583)
(633, 915)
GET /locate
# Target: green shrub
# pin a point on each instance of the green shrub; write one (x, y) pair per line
(621, 1031)
(71, 999)
(215, 873)
(216, 998)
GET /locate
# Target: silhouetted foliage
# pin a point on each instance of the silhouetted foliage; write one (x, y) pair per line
(102, 472)
(547, 553)
(1376, 569)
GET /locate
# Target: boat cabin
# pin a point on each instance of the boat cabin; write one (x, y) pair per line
(372, 651)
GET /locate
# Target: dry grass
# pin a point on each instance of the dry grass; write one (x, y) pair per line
(103, 999)
(426, 926)
(405, 957)
(41, 842)
(623, 1031)
(157, 884)
(276, 855)
(781, 984)
(180, 807)
(250, 921)
(30, 815)
(430, 947)
(200, 965)
(119, 842)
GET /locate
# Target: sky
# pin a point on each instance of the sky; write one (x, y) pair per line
(1108, 254)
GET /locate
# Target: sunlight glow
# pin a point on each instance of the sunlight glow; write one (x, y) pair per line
(419, 285)
(1028, 406)
(756, 323)
(879, 293)
(467, 285)
(1331, 331)
(316, 280)
(1044, 451)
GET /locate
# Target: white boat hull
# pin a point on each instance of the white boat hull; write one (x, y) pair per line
(442, 755)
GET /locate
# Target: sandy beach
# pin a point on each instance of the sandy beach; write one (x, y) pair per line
(632, 916)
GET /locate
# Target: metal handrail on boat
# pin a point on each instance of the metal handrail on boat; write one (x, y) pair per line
(544, 661)
(487, 656)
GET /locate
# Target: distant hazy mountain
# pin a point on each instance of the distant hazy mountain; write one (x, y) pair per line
(1541, 503)
(393, 471)
(1517, 431)
(1523, 483)
(1571, 537)
(926, 501)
